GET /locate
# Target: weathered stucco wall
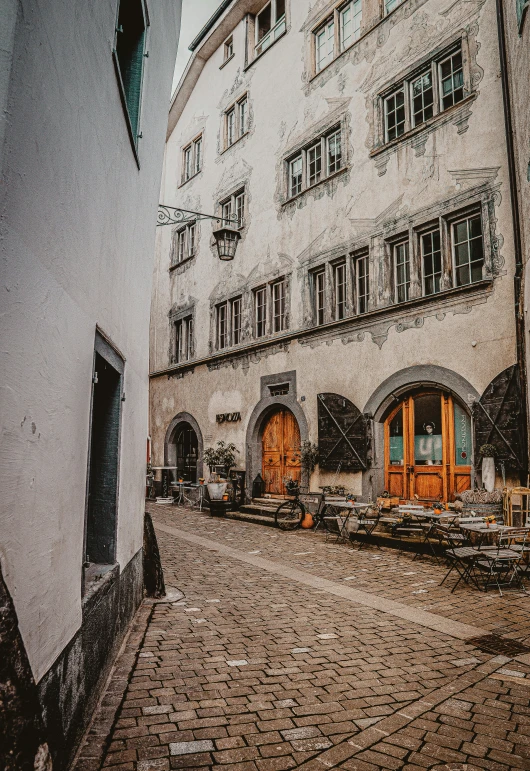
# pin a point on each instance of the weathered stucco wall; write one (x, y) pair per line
(448, 165)
(78, 227)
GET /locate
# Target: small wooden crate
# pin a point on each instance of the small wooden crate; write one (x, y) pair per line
(516, 506)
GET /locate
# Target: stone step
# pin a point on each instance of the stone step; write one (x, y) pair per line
(244, 516)
(259, 510)
(269, 501)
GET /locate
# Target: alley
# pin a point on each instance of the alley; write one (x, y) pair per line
(289, 652)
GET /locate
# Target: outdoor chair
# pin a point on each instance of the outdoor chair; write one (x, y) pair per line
(502, 565)
(461, 559)
(367, 522)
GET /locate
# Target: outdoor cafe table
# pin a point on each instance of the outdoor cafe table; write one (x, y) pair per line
(338, 507)
(481, 531)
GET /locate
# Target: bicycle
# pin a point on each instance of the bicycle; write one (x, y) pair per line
(290, 514)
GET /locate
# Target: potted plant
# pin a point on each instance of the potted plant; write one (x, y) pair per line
(488, 454)
(222, 455)
(291, 485)
(308, 455)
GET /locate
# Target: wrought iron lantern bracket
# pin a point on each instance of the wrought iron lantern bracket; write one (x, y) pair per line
(169, 215)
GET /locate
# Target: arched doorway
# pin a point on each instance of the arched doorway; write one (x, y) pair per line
(186, 452)
(427, 447)
(280, 446)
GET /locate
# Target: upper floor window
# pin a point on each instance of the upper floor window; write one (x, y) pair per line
(129, 50)
(233, 206)
(468, 250)
(278, 306)
(235, 320)
(402, 271)
(228, 322)
(228, 48)
(362, 285)
(236, 121)
(260, 312)
(339, 286)
(424, 94)
(391, 4)
(184, 244)
(183, 339)
(317, 161)
(269, 25)
(319, 295)
(431, 261)
(346, 18)
(192, 159)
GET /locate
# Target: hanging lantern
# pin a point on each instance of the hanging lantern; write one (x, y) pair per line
(226, 239)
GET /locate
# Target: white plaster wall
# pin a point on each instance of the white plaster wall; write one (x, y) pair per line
(278, 242)
(78, 230)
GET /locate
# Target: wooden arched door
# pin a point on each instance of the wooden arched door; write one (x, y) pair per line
(280, 447)
(428, 448)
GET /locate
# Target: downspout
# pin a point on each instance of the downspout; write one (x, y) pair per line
(518, 277)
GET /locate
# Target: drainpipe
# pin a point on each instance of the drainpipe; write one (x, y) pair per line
(519, 267)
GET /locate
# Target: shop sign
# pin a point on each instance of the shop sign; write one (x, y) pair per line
(228, 417)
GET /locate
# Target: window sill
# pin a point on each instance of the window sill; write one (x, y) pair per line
(185, 182)
(317, 184)
(226, 61)
(258, 57)
(441, 117)
(229, 147)
(182, 262)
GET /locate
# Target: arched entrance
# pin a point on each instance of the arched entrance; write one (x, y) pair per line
(280, 443)
(427, 446)
(183, 448)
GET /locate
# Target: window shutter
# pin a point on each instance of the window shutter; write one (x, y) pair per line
(498, 418)
(343, 434)
(521, 6)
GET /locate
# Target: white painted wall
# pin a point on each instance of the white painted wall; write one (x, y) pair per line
(78, 230)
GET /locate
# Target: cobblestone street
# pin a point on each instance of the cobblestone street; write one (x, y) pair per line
(289, 652)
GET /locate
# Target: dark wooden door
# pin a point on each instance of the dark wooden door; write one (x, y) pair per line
(280, 446)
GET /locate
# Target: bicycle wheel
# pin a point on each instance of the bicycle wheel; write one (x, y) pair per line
(289, 515)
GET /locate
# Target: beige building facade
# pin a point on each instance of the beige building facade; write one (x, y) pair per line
(370, 305)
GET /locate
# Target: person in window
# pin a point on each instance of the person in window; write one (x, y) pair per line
(429, 446)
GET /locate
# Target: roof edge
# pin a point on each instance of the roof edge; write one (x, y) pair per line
(209, 24)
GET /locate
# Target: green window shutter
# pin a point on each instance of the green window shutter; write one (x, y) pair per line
(521, 7)
(130, 42)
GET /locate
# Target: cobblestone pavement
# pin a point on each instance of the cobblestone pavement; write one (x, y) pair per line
(269, 662)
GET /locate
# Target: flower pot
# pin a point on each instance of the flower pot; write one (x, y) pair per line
(488, 474)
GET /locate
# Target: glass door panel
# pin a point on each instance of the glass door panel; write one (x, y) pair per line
(428, 442)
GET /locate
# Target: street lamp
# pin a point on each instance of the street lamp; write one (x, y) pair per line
(226, 236)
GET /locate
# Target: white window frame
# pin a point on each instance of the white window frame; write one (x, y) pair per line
(340, 287)
(233, 204)
(228, 48)
(260, 292)
(230, 126)
(422, 234)
(440, 62)
(186, 243)
(324, 44)
(236, 304)
(319, 296)
(302, 160)
(278, 304)
(222, 339)
(277, 28)
(299, 176)
(329, 38)
(453, 223)
(420, 76)
(242, 107)
(395, 247)
(192, 159)
(355, 7)
(363, 259)
(317, 150)
(400, 89)
(333, 136)
(236, 121)
(183, 339)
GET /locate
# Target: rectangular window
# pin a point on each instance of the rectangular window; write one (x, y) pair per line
(431, 259)
(339, 276)
(240, 209)
(395, 115)
(235, 320)
(278, 306)
(334, 150)
(198, 154)
(362, 283)
(129, 59)
(422, 98)
(188, 163)
(314, 163)
(350, 23)
(230, 127)
(451, 76)
(468, 249)
(260, 311)
(295, 176)
(191, 240)
(402, 271)
(181, 245)
(183, 350)
(319, 296)
(222, 326)
(270, 25)
(324, 44)
(243, 104)
(228, 48)
(226, 212)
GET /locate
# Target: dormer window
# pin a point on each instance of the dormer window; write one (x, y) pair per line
(229, 48)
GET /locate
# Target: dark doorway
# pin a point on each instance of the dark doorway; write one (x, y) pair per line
(187, 447)
(104, 461)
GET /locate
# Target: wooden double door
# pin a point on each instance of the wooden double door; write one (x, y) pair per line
(428, 448)
(280, 451)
